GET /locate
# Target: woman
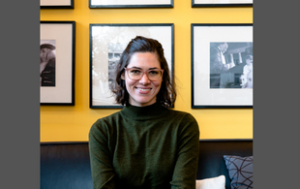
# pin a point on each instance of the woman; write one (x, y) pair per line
(145, 145)
(47, 65)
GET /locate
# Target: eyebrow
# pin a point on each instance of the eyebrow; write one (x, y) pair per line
(148, 69)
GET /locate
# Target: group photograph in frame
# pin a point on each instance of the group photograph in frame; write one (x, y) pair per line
(107, 42)
(222, 3)
(57, 4)
(131, 4)
(57, 45)
(222, 65)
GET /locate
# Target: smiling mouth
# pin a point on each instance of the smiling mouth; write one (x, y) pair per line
(143, 90)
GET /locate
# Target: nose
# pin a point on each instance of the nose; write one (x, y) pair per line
(144, 80)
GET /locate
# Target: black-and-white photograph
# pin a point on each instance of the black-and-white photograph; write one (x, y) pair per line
(57, 44)
(222, 65)
(231, 65)
(107, 42)
(47, 63)
(114, 54)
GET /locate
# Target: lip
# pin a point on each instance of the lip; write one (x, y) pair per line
(143, 90)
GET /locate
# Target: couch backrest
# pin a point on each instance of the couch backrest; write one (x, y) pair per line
(67, 165)
(211, 162)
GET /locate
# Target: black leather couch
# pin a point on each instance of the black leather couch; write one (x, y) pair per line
(67, 165)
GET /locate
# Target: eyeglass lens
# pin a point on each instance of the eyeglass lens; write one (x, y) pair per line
(137, 74)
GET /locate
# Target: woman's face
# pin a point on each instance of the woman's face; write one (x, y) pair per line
(43, 54)
(142, 92)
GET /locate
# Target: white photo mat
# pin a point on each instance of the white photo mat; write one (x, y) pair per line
(130, 3)
(203, 95)
(103, 35)
(62, 33)
(221, 2)
(56, 2)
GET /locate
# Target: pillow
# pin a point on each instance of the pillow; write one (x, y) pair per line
(211, 183)
(240, 170)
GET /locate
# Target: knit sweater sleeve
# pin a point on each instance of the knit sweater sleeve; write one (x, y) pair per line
(103, 174)
(185, 170)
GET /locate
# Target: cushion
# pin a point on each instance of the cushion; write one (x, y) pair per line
(211, 183)
(240, 170)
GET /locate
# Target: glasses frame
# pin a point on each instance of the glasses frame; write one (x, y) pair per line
(145, 72)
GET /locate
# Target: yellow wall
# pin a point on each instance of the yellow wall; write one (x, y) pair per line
(72, 123)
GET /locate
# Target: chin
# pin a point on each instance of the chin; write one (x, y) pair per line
(142, 101)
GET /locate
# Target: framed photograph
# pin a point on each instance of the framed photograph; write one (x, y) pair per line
(107, 42)
(222, 3)
(130, 3)
(222, 65)
(56, 4)
(57, 45)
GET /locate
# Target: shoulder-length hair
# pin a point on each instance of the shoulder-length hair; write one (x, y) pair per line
(167, 94)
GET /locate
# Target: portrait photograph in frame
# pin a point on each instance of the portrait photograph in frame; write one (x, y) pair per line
(57, 64)
(222, 3)
(222, 65)
(107, 42)
(57, 4)
(130, 4)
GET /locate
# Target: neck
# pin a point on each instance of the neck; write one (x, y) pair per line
(152, 111)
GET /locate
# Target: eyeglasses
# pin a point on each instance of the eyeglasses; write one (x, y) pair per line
(137, 74)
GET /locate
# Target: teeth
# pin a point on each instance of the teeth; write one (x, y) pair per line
(144, 89)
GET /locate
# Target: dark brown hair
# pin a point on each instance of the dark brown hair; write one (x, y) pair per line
(167, 94)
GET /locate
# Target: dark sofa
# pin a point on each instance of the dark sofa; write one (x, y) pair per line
(67, 165)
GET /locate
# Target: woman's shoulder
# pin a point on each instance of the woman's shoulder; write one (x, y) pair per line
(181, 116)
(106, 122)
(185, 121)
(103, 129)
(179, 113)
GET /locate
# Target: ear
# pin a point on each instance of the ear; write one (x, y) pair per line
(123, 76)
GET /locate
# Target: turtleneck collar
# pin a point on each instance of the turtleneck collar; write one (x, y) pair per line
(141, 113)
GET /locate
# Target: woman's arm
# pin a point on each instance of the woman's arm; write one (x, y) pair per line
(185, 170)
(103, 174)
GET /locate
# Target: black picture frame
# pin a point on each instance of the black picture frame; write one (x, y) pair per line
(213, 88)
(222, 3)
(110, 40)
(62, 92)
(58, 4)
(129, 4)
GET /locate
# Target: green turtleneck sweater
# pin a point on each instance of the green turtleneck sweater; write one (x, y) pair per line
(144, 147)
